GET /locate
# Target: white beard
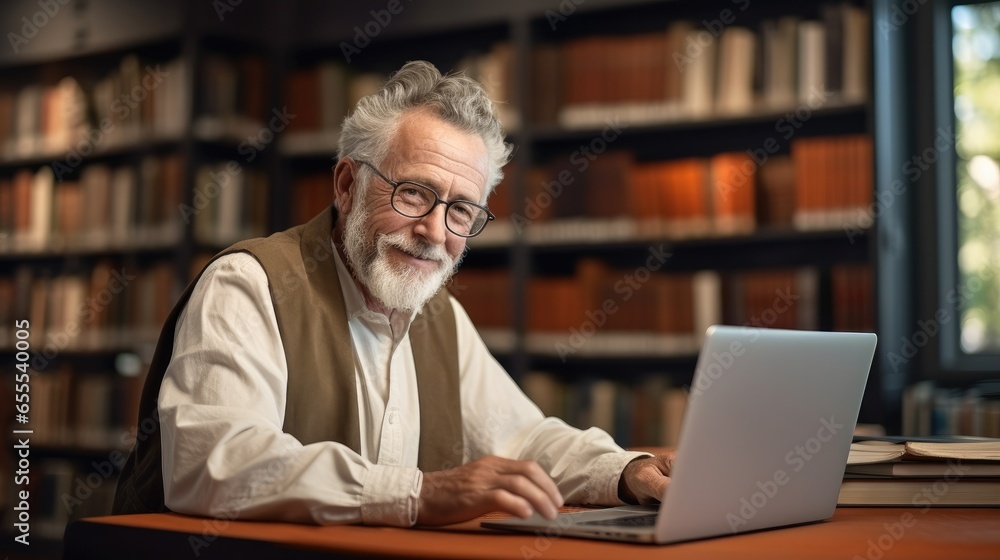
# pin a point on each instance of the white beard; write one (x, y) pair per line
(406, 290)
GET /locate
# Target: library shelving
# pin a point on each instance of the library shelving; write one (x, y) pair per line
(677, 164)
(713, 161)
(118, 124)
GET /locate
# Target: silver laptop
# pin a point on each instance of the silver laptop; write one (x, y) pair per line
(763, 444)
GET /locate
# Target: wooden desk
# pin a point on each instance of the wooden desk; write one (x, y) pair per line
(852, 533)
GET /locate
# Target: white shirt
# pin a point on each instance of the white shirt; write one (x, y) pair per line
(223, 396)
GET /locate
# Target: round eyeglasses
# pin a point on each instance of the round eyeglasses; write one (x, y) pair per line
(413, 200)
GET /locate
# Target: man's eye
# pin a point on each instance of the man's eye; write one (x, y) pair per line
(413, 193)
(462, 211)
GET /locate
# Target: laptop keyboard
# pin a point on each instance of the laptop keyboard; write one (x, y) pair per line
(633, 521)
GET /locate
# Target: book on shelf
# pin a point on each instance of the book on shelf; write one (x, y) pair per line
(833, 181)
(812, 63)
(643, 412)
(318, 96)
(311, 193)
(773, 298)
(494, 69)
(852, 288)
(138, 100)
(229, 206)
(545, 76)
(107, 307)
(104, 207)
(825, 183)
(82, 410)
(779, 45)
(232, 97)
(607, 301)
(733, 187)
(735, 94)
(597, 312)
(684, 72)
(321, 94)
(929, 410)
(486, 295)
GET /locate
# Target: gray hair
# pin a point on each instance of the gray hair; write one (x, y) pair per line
(456, 98)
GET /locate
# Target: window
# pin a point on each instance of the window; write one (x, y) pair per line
(976, 75)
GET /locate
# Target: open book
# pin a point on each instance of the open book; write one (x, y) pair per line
(924, 457)
(931, 472)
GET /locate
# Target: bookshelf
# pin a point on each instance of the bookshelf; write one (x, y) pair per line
(658, 139)
(118, 124)
(598, 179)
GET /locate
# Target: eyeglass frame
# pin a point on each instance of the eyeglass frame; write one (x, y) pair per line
(437, 200)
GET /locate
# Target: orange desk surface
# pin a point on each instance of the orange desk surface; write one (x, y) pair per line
(852, 533)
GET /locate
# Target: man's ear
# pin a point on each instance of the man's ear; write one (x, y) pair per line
(344, 180)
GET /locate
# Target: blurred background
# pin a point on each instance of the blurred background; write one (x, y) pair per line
(827, 165)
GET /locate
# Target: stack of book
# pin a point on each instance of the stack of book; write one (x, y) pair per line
(922, 473)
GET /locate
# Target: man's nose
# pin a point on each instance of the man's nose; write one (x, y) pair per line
(431, 227)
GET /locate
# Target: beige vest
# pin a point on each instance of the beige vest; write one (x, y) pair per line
(322, 402)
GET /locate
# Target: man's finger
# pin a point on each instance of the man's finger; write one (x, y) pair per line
(538, 476)
(526, 488)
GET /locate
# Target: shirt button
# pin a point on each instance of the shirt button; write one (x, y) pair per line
(392, 417)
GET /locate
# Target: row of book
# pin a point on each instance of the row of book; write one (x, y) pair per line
(94, 416)
(322, 94)
(704, 69)
(646, 412)
(931, 410)
(599, 301)
(106, 307)
(141, 99)
(131, 207)
(825, 183)
(230, 203)
(122, 206)
(233, 98)
(83, 410)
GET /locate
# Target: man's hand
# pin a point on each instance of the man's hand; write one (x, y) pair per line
(644, 480)
(488, 484)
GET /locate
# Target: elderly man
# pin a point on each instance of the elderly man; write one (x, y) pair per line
(321, 375)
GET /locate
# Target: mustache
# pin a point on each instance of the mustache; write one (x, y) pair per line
(413, 247)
